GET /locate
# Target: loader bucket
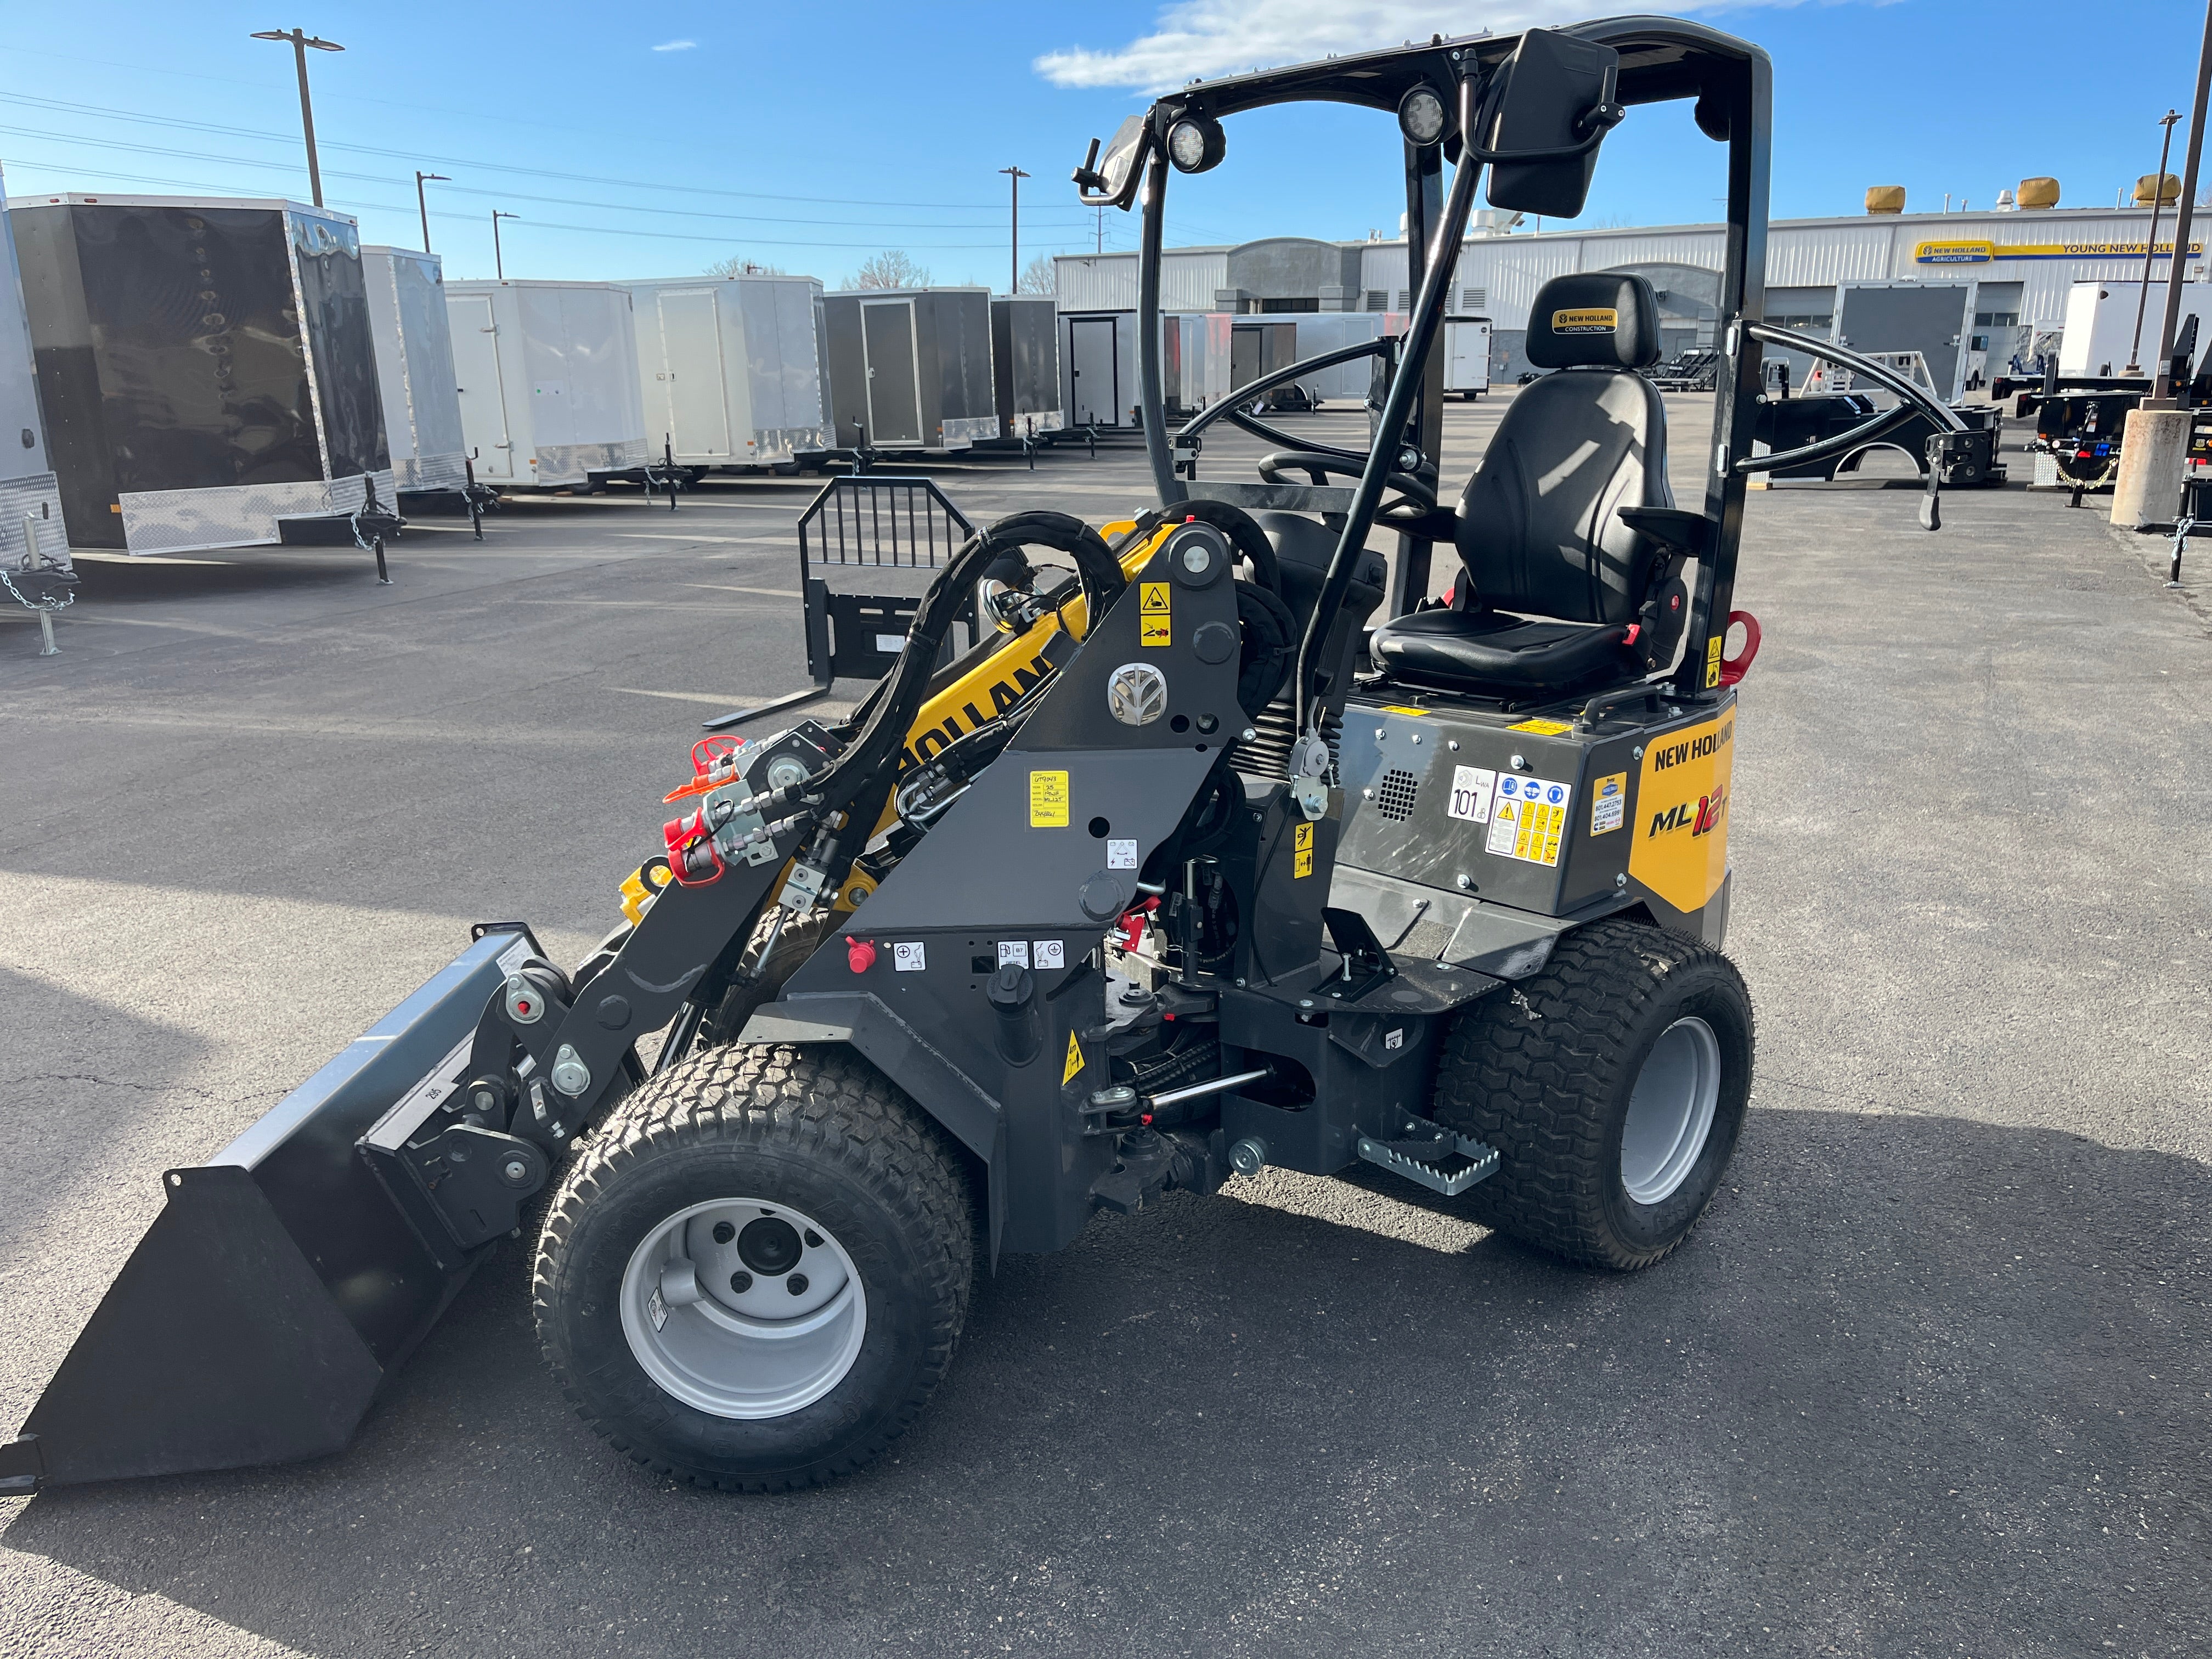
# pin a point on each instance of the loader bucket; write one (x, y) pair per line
(280, 1284)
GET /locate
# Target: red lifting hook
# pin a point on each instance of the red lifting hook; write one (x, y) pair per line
(1734, 668)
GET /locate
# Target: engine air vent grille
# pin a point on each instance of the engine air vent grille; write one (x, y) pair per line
(1395, 796)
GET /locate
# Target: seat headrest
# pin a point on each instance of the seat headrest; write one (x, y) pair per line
(1595, 318)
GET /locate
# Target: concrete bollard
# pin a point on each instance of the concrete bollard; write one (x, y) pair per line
(2153, 459)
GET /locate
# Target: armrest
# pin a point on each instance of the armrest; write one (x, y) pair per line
(1435, 523)
(1675, 527)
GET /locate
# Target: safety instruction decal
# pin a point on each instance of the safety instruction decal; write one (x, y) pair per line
(1472, 786)
(1120, 854)
(1302, 852)
(1051, 953)
(1543, 728)
(1530, 819)
(1395, 709)
(1048, 800)
(1713, 661)
(1153, 599)
(1609, 804)
(1013, 952)
(1074, 1061)
(909, 956)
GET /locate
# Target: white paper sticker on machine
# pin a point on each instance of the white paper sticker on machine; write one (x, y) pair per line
(1014, 950)
(1121, 854)
(1531, 819)
(1608, 803)
(1051, 953)
(908, 957)
(1471, 790)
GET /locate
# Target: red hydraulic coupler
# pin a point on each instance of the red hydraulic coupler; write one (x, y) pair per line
(693, 858)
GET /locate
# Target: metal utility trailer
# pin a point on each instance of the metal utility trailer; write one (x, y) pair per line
(1466, 357)
(1098, 356)
(910, 369)
(415, 371)
(207, 371)
(2101, 322)
(1317, 335)
(729, 370)
(1195, 361)
(1026, 367)
(548, 382)
(1151, 887)
(35, 569)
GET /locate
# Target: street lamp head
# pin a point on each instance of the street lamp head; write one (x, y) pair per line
(421, 178)
(322, 46)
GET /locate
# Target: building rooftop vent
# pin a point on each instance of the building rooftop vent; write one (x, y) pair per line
(1886, 198)
(2039, 193)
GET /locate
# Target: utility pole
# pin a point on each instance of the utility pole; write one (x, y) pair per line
(423, 207)
(2150, 247)
(2164, 394)
(1100, 213)
(1014, 177)
(300, 41)
(499, 264)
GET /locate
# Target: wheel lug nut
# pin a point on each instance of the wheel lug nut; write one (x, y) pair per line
(724, 1232)
(796, 1284)
(813, 1239)
(741, 1282)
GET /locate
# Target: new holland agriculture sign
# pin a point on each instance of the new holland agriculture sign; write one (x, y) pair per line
(1982, 254)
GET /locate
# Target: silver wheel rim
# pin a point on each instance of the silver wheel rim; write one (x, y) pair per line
(1670, 1110)
(719, 1319)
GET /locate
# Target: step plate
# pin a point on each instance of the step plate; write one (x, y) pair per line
(1427, 1174)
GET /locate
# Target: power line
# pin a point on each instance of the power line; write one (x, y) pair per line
(413, 157)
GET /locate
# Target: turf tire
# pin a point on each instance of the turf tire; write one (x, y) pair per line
(1543, 1070)
(815, 1128)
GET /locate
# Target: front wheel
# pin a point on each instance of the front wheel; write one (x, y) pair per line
(1613, 1085)
(755, 1276)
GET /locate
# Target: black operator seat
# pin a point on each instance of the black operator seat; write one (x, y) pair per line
(1561, 593)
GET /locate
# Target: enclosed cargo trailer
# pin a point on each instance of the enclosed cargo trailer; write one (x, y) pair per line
(30, 497)
(1098, 357)
(1193, 361)
(729, 372)
(205, 368)
(549, 381)
(1467, 356)
(2101, 322)
(1025, 366)
(415, 370)
(910, 369)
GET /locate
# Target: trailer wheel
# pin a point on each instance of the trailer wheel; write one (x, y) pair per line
(755, 1276)
(1613, 1085)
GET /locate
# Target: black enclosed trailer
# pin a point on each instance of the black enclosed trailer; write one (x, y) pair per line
(909, 369)
(206, 368)
(1025, 365)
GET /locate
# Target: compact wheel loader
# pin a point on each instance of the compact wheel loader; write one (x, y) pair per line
(1190, 867)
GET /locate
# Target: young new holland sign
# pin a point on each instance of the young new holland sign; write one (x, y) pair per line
(1982, 254)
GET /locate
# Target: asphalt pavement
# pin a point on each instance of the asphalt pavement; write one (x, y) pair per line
(1931, 1379)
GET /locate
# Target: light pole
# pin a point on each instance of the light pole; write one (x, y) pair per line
(422, 206)
(498, 264)
(301, 41)
(1014, 177)
(2163, 390)
(2150, 247)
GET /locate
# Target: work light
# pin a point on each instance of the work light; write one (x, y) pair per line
(1421, 116)
(1195, 144)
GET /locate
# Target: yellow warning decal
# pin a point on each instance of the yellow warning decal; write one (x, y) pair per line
(1713, 661)
(1681, 848)
(1528, 819)
(1074, 1061)
(1048, 800)
(1394, 708)
(1543, 728)
(1153, 599)
(1587, 319)
(1302, 852)
(1608, 803)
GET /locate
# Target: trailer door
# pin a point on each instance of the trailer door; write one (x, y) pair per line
(1090, 355)
(894, 373)
(1929, 318)
(692, 374)
(483, 396)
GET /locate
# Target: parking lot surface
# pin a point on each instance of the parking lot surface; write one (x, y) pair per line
(1931, 1379)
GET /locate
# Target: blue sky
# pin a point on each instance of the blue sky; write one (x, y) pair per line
(809, 136)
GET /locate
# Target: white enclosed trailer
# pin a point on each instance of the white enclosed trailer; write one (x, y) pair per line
(1467, 356)
(549, 381)
(415, 369)
(729, 370)
(30, 496)
(2100, 327)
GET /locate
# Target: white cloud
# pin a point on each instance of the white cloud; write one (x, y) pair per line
(1211, 38)
(676, 45)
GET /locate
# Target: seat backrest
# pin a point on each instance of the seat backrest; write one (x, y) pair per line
(1538, 527)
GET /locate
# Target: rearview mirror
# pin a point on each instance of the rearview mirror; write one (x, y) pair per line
(1112, 182)
(1553, 107)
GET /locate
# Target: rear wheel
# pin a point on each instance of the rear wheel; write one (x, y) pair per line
(755, 1277)
(1613, 1085)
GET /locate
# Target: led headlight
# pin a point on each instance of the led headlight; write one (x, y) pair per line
(1195, 144)
(1421, 116)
